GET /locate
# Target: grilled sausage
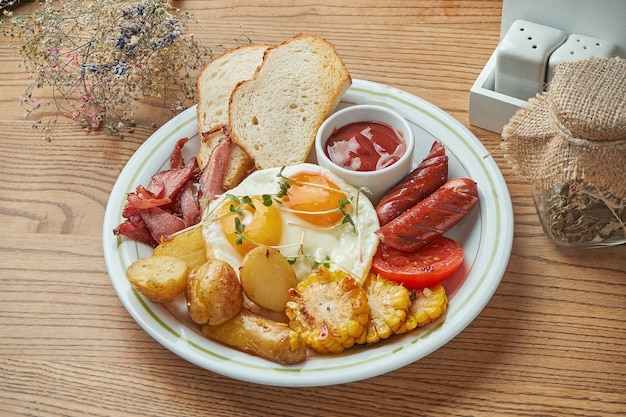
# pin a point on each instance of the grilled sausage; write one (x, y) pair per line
(431, 217)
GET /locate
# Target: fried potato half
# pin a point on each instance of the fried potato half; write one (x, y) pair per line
(258, 335)
(266, 277)
(188, 246)
(213, 293)
(158, 278)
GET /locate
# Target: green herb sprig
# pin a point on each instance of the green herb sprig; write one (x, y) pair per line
(285, 183)
(238, 210)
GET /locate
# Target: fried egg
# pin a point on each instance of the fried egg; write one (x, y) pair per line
(311, 215)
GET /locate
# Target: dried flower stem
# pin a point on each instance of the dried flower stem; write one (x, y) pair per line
(100, 57)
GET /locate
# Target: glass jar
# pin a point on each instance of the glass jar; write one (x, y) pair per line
(577, 215)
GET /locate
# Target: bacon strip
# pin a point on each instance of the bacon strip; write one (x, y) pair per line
(212, 176)
(176, 158)
(135, 231)
(167, 184)
(166, 206)
(161, 222)
(142, 199)
(188, 205)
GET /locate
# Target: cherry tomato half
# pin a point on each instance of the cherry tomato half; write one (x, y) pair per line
(424, 268)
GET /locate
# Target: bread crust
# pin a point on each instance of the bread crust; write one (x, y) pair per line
(214, 85)
(275, 115)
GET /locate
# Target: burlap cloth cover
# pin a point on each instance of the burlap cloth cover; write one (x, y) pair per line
(576, 130)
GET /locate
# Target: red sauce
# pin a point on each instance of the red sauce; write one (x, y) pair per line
(365, 146)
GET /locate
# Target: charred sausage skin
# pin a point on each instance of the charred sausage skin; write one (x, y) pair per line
(431, 217)
(429, 175)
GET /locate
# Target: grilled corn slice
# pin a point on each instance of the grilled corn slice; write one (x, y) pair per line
(389, 303)
(329, 309)
(427, 305)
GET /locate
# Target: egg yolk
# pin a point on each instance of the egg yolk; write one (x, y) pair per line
(315, 199)
(261, 225)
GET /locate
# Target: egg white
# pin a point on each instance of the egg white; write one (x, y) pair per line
(342, 247)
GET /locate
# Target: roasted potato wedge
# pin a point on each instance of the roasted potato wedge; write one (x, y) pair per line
(252, 333)
(188, 246)
(158, 278)
(266, 276)
(213, 293)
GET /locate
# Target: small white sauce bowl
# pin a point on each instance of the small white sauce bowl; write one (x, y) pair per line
(378, 181)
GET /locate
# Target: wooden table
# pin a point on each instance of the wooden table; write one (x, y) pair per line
(552, 340)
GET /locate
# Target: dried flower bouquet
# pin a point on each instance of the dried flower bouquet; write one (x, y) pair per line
(100, 57)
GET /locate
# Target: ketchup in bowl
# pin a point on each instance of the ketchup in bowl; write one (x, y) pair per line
(365, 146)
(368, 145)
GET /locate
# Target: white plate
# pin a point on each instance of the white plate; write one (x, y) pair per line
(486, 236)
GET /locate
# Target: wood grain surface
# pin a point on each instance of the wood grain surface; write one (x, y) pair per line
(551, 342)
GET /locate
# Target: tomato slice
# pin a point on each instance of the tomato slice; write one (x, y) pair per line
(423, 268)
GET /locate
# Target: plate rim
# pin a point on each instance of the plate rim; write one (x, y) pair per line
(239, 366)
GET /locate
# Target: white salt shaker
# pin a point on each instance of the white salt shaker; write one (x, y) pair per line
(522, 58)
(578, 47)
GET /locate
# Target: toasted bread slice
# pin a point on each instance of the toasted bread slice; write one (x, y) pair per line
(275, 116)
(215, 85)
